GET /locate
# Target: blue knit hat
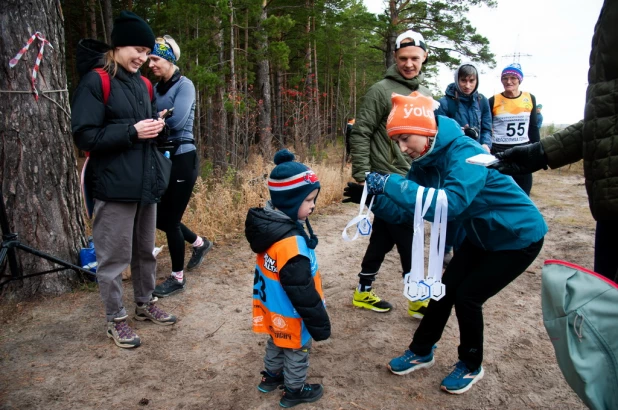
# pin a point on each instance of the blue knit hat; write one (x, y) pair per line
(289, 183)
(514, 69)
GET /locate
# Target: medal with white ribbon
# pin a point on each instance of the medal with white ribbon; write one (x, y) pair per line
(362, 221)
(416, 285)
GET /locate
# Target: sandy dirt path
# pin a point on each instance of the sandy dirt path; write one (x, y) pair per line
(54, 353)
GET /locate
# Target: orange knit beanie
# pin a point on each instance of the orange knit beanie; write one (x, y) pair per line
(412, 114)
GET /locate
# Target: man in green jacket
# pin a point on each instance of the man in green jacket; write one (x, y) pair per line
(594, 139)
(373, 151)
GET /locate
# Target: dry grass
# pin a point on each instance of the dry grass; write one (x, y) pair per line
(575, 168)
(218, 209)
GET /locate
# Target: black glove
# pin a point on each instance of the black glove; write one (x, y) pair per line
(472, 133)
(354, 192)
(524, 159)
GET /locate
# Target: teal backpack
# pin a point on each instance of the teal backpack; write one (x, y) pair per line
(580, 313)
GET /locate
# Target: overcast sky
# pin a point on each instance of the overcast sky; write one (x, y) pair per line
(556, 34)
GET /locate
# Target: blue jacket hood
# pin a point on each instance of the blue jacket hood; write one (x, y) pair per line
(452, 90)
(472, 110)
(456, 77)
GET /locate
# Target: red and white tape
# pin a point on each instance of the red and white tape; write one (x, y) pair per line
(39, 57)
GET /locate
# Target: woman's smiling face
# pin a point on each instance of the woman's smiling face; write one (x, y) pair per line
(131, 58)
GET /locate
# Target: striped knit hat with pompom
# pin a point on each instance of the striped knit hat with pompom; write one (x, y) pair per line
(289, 183)
(515, 70)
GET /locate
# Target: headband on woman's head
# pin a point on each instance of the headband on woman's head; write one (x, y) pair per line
(164, 51)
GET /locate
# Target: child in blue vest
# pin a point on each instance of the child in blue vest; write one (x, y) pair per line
(504, 230)
(288, 302)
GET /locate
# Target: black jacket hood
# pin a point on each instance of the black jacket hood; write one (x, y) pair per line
(266, 226)
(90, 55)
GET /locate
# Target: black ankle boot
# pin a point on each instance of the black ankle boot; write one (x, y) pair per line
(306, 394)
(270, 383)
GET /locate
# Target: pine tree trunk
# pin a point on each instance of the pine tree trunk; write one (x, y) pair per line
(38, 168)
(263, 80)
(107, 11)
(246, 117)
(232, 92)
(279, 120)
(311, 136)
(92, 14)
(316, 93)
(393, 11)
(222, 134)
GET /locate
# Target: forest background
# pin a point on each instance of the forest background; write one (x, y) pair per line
(273, 73)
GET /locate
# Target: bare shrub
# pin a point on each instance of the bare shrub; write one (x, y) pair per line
(218, 209)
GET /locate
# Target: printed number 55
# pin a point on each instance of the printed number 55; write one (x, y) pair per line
(510, 129)
(261, 292)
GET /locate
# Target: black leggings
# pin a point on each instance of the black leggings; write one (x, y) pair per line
(384, 236)
(473, 276)
(173, 204)
(524, 181)
(605, 248)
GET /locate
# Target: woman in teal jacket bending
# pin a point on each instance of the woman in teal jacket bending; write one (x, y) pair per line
(504, 230)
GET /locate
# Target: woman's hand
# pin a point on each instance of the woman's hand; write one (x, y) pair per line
(486, 147)
(376, 182)
(149, 128)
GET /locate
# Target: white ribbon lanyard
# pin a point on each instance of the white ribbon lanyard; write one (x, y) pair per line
(416, 286)
(362, 221)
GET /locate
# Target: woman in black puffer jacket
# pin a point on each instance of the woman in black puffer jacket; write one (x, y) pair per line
(118, 125)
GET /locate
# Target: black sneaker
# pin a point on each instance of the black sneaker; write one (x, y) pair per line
(306, 394)
(270, 383)
(198, 254)
(170, 287)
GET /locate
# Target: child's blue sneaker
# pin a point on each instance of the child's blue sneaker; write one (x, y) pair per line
(461, 379)
(410, 362)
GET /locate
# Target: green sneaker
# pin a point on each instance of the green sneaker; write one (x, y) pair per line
(417, 309)
(369, 300)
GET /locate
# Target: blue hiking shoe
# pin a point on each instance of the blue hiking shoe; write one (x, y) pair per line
(410, 362)
(461, 379)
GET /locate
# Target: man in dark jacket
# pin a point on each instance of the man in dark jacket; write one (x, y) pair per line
(373, 151)
(594, 139)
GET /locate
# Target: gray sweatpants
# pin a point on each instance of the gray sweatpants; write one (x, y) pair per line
(124, 233)
(293, 362)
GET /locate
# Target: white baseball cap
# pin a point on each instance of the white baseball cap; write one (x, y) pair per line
(417, 40)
